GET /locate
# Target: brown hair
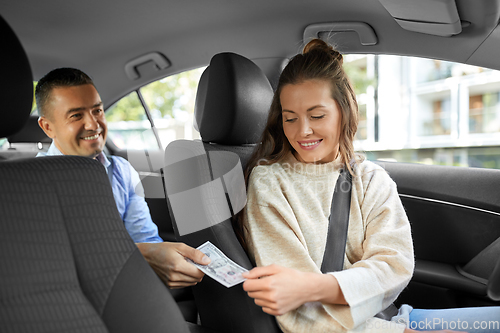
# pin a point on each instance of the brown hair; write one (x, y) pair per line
(318, 61)
(57, 78)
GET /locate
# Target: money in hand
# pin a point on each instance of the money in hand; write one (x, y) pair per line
(221, 268)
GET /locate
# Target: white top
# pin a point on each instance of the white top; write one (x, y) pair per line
(287, 216)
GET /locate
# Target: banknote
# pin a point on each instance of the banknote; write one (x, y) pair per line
(221, 268)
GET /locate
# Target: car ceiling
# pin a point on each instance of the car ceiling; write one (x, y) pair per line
(100, 37)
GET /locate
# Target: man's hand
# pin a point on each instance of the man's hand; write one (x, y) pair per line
(168, 261)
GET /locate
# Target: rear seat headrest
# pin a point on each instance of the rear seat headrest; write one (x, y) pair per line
(31, 132)
(16, 82)
(233, 100)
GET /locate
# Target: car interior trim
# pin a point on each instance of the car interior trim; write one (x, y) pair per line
(447, 203)
(431, 17)
(365, 32)
(439, 29)
(447, 276)
(471, 276)
(149, 174)
(132, 67)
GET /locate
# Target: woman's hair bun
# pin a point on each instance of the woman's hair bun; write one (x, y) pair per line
(321, 46)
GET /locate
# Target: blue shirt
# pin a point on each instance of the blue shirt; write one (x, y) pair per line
(132, 207)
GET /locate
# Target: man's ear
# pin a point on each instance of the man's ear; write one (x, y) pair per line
(47, 126)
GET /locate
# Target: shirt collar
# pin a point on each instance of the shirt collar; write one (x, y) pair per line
(53, 151)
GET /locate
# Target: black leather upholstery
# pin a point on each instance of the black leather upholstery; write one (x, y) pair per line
(220, 308)
(16, 82)
(232, 104)
(232, 101)
(231, 110)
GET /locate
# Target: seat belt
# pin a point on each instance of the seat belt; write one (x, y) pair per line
(333, 258)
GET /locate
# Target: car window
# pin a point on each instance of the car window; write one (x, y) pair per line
(129, 126)
(426, 111)
(156, 114)
(171, 104)
(361, 71)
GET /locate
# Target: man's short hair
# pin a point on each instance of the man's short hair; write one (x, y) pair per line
(57, 78)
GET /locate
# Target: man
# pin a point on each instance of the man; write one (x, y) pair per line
(72, 115)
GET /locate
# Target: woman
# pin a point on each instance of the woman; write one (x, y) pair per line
(308, 139)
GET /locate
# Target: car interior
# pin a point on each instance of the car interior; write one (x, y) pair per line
(67, 266)
(64, 267)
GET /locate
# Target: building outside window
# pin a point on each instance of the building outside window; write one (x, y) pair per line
(428, 111)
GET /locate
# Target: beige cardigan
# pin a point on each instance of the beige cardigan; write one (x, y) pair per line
(286, 218)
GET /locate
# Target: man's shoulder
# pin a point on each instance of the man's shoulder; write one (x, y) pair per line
(118, 159)
(123, 166)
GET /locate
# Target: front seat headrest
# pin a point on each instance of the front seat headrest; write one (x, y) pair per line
(16, 82)
(30, 133)
(233, 100)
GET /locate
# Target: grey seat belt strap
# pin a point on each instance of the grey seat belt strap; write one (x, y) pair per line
(333, 258)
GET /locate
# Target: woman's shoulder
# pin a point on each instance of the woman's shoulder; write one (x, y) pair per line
(268, 172)
(368, 171)
(367, 166)
(269, 182)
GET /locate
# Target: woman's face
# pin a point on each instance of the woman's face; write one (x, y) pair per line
(311, 120)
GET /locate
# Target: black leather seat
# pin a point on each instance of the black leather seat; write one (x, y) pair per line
(204, 182)
(232, 103)
(67, 263)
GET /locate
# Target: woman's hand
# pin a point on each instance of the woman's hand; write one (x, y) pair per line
(279, 289)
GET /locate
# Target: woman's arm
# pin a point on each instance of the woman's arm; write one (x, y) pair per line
(279, 289)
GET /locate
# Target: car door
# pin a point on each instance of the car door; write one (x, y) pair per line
(455, 220)
(440, 118)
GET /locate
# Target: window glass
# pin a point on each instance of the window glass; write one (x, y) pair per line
(361, 134)
(128, 125)
(484, 113)
(435, 70)
(34, 110)
(426, 110)
(361, 71)
(171, 104)
(434, 115)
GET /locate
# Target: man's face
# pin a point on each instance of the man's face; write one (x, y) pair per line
(75, 120)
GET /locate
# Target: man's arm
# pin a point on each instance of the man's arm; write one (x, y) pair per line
(166, 258)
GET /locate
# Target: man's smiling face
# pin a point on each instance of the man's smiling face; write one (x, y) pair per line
(76, 121)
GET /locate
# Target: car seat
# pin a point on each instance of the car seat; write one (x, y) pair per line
(67, 262)
(205, 187)
(27, 142)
